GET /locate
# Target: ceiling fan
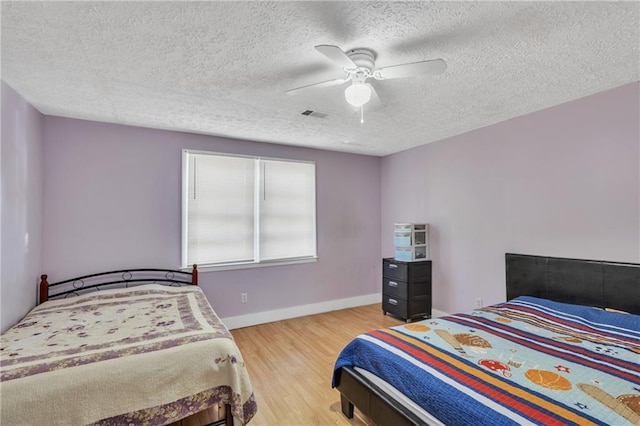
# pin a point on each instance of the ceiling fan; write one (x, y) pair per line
(359, 65)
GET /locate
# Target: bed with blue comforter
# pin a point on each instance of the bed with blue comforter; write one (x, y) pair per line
(526, 361)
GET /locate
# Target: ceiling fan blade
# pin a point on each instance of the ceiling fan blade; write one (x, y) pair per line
(374, 103)
(434, 66)
(336, 55)
(316, 86)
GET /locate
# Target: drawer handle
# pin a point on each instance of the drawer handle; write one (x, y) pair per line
(392, 266)
(393, 301)
(393, 284)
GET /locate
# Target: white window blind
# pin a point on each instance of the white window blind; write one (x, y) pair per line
(246, 210)
(287, 207)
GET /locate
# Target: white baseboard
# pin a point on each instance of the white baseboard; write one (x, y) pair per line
(300, 311)
(436, 313)
(311, 309)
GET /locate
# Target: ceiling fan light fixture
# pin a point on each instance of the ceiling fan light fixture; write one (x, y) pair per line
(357, 94)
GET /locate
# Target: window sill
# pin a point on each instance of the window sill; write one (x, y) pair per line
(232, 266)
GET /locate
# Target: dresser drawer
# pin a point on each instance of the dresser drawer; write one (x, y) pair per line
(395, 270)
(394, 306)
(394, 287)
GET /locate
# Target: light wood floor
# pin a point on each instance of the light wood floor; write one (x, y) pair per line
(291, 362)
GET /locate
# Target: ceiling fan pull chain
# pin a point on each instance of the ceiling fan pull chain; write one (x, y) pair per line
(362, 114)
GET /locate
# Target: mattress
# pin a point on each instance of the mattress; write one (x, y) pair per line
(151, 354)
(528, 361)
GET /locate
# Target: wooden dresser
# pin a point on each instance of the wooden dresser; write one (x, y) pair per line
(406, 288)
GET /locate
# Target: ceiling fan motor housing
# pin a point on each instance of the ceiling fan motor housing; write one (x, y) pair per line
(363, 58)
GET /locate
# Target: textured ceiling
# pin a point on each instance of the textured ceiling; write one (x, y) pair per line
(222, 68)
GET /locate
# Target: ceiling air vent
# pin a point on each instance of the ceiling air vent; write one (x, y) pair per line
(314, 113)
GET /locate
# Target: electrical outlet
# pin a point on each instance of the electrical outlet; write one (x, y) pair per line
(479, 302)
(244, 297)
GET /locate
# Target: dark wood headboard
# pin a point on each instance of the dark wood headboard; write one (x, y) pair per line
(583, 282)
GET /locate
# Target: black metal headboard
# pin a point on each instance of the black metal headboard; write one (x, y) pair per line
(115, 279)
(583, 282)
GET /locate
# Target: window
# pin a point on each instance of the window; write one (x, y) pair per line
(247, 211)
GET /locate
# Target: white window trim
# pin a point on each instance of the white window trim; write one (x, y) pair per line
(249, 265)
(210, 267)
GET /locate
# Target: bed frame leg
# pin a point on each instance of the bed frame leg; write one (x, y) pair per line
(347, 406)
(228, 417)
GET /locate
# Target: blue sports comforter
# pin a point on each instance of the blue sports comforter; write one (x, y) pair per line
(527, 361)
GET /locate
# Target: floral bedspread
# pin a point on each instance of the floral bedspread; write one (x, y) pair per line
(150, 354)
(527, 361)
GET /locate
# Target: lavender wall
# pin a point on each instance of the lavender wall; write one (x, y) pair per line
(21, 208)
(112, 200)
(561, 182)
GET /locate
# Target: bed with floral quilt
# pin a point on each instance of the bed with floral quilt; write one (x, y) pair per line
(148, 354)
(526, 361)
